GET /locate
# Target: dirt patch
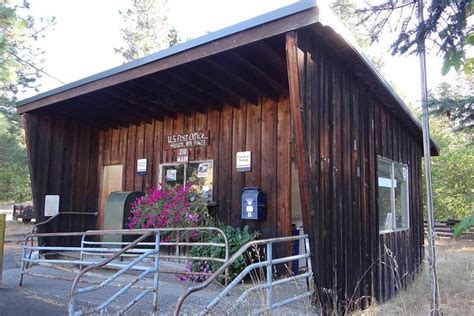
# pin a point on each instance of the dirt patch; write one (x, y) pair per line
(16, 231)
(455, 266)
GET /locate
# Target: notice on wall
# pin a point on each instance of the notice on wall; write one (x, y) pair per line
(182, 155)
(244, 161)
(203, 169)
(141, 167)
(171, 175)
(51, 205)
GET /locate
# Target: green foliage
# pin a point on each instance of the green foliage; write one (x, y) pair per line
(452, 171)
(348, 13)
(19, 32)
(236, 237)
(446, 26)
(456, 102)
(18, 54)
(14, 173)
(463, 226)
(146, 29)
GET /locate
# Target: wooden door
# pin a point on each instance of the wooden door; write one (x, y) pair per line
(111, 182)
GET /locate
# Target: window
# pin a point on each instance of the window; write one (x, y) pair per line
(197, 173)
(393, 195)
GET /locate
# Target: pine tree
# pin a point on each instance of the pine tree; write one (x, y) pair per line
(146, 29)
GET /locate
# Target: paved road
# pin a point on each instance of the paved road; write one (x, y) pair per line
(18, 301)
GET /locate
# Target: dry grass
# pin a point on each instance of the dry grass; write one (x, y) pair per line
(455, 265)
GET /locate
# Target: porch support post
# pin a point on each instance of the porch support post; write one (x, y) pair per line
(296, 109)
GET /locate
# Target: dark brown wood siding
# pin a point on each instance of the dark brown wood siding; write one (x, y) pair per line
(63, 161)
(264, 129)
(346, 127)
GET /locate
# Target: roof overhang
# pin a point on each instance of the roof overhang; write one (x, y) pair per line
(201, 55)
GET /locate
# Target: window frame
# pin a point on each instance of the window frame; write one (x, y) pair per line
(185, 164)
(392, 195)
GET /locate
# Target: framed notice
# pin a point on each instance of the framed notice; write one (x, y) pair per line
(51, 205)
(141, 167)
(244, 161)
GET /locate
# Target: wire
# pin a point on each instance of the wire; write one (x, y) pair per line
(33, 66)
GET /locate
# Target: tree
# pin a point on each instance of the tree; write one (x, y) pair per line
(456, 102)
(20, 67)
(452, 171)
(348, 13)
(146, 29)
(446, 27)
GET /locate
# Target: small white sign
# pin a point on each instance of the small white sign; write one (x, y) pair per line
(244, 161)
(182, 155)
(51, 205)
(202, 170)
(141, 166)
(171, 175)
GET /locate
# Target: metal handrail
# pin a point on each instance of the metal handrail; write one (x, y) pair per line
(101, 264)
(226, 265)
(35, 228)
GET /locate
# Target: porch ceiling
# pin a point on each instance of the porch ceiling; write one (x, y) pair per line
(246, 72)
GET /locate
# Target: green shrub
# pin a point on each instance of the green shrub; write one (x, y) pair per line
(236, 237)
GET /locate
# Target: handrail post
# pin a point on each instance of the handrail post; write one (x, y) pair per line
(156, 277)
(269, 275)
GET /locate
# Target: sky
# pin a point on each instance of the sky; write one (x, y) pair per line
(86, 31)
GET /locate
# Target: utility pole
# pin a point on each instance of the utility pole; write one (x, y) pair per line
(427, 155)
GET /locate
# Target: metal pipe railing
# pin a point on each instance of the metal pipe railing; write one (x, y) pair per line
(268, 263)
(110, 279)
(37, 225)
(113, 253)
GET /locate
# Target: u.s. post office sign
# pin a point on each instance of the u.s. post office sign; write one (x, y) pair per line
(186, 140)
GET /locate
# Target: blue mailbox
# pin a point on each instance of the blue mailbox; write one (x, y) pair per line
(253, 204)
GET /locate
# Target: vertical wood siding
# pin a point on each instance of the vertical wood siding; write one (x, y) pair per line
(63, 160)
(263, 129)
(346, 127)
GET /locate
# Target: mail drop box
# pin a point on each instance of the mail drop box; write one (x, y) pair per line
(254, 204)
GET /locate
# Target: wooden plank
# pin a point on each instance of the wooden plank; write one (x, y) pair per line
(295, 104)
(347, 174)
(283, 184)
(239, 127)
(131, 158)
(157, 152)
(225, 165)
(200, 124)
(139, 154)
(115, 146)
(269, 165)
(92, 195)
(189, 122)
(253, 140)
(167, 130)
(212, 151)
(148, 154)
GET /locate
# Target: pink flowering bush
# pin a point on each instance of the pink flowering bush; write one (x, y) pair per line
(169, 207)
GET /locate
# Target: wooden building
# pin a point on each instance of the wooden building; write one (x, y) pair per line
(332, 146)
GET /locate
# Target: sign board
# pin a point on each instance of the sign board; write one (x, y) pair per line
(186, 140)
(51, 205)
(182, 155)
(244, 161)
(203, 168)
(171, 175)
(141, 167)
